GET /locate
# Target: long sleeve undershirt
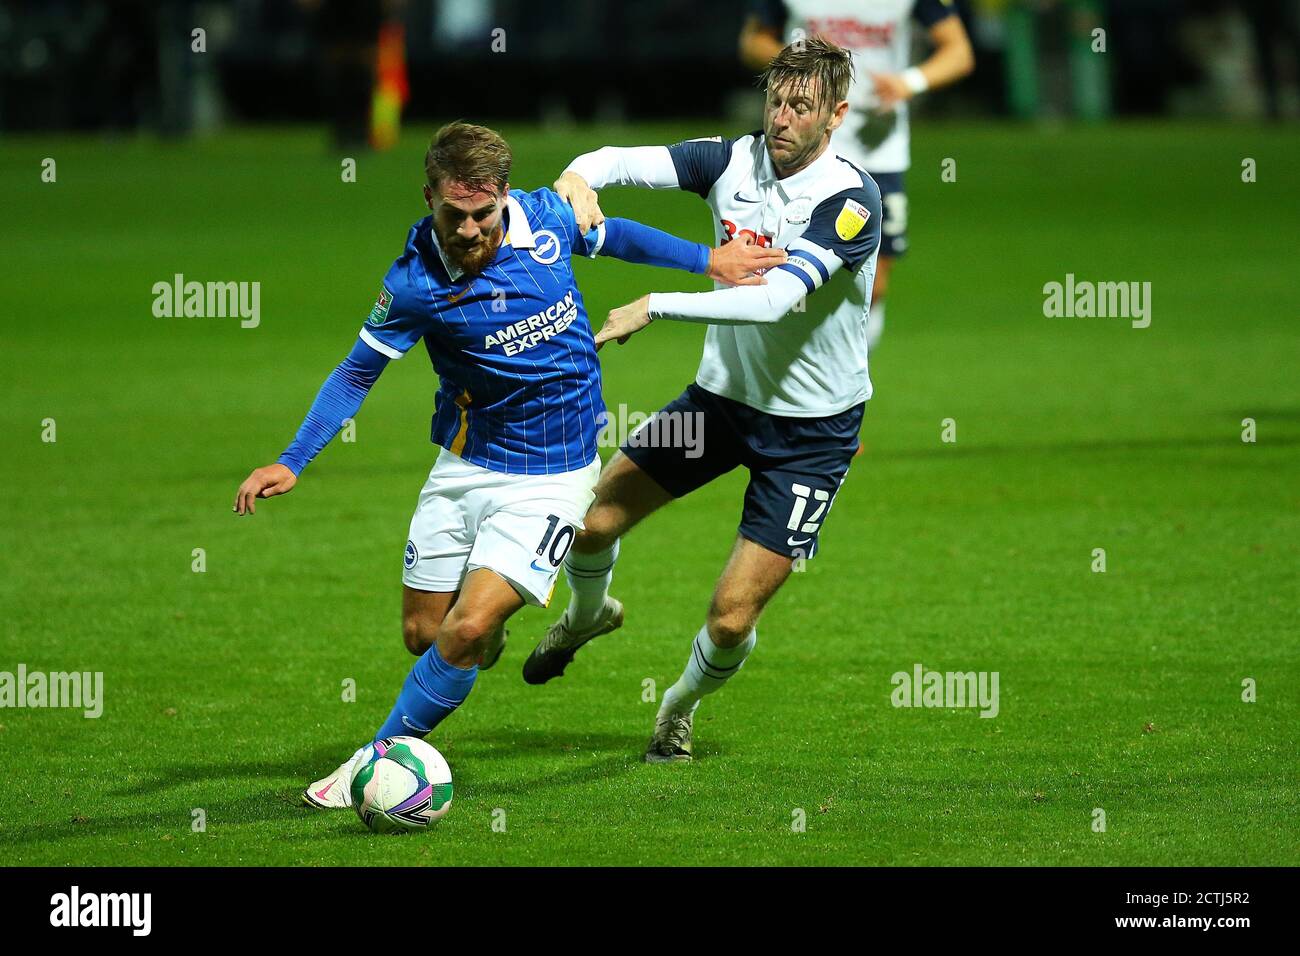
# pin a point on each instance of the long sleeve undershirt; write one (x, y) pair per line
(650, 167)
(635, 242)
(744, 305)
(653, 167)
(339, 399)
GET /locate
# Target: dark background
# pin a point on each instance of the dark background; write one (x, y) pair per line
(95, 64)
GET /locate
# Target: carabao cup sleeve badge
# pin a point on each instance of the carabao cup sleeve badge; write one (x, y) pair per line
(380, 312)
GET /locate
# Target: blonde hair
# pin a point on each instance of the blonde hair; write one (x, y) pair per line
(806, 60)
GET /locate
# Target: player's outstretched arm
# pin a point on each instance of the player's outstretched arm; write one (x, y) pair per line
(648, 166)
(339, 399)
(651, 167)
(732, 263)
(694, 165)
(748, 306)
(843, 232)
(751, 305)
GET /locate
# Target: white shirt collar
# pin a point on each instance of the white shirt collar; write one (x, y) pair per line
(518, 234)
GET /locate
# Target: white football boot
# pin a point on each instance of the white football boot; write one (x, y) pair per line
(334, 791)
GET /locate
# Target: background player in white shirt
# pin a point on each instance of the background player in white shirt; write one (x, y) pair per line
(874, 134)
(782, 383)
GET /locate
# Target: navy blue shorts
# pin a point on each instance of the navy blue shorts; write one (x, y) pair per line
(893, 213)
(795, 465)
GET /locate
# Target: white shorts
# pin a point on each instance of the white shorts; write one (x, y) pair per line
(520, 526)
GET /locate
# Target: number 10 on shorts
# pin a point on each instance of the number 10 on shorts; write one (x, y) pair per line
(559, 542)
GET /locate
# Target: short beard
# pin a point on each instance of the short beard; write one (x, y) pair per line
(800, 161)
(476, 259)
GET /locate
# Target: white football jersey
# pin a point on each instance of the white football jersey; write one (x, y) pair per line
(879, 34)
(796, 346)
(813, 361)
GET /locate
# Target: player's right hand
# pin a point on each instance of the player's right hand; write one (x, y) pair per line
(738, 263)
(265, 482)
(574, 190)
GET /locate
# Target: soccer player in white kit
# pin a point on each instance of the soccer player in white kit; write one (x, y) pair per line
(782, 383)
(874, 134)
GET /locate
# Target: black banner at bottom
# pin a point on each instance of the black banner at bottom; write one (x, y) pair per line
(213, 905)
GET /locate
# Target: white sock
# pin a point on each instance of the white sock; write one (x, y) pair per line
(708, 668)
(589, 576)
(875, 323)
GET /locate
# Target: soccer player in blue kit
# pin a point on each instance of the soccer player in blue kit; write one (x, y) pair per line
(486, 281)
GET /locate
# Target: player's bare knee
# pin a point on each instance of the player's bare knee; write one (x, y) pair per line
(418, 634)
(466, 633)
(599, 534)
(729, 623)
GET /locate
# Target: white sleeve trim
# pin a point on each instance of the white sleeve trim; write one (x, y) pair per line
(600, 241)
(650, 167)
(742, 305)
(379, 346)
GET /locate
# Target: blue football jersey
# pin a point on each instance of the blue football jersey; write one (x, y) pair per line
(519, 387)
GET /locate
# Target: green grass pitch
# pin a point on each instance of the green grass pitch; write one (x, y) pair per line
(223, 689)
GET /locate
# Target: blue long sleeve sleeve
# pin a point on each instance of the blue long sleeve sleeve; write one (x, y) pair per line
(635, 242)
(338, 400)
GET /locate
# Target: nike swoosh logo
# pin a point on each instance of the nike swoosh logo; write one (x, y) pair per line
(326, 789)
(740, 198)
(794, 544)
(543, 570)
(458, 296)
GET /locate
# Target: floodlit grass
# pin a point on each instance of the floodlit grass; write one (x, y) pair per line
(1119, 690)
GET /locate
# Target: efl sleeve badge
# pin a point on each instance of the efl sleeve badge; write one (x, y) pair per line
(851, 219)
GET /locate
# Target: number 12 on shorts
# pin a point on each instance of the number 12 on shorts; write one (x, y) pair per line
(802, 494)
(559, 543)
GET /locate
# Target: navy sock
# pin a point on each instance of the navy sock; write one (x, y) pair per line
(432, 690)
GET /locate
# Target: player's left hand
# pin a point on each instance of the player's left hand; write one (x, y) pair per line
(891, 89)
(625, 322)
(739, 263)
(267, 482)
(574, 190)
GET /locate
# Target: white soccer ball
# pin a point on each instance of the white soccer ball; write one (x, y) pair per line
(400, 784)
